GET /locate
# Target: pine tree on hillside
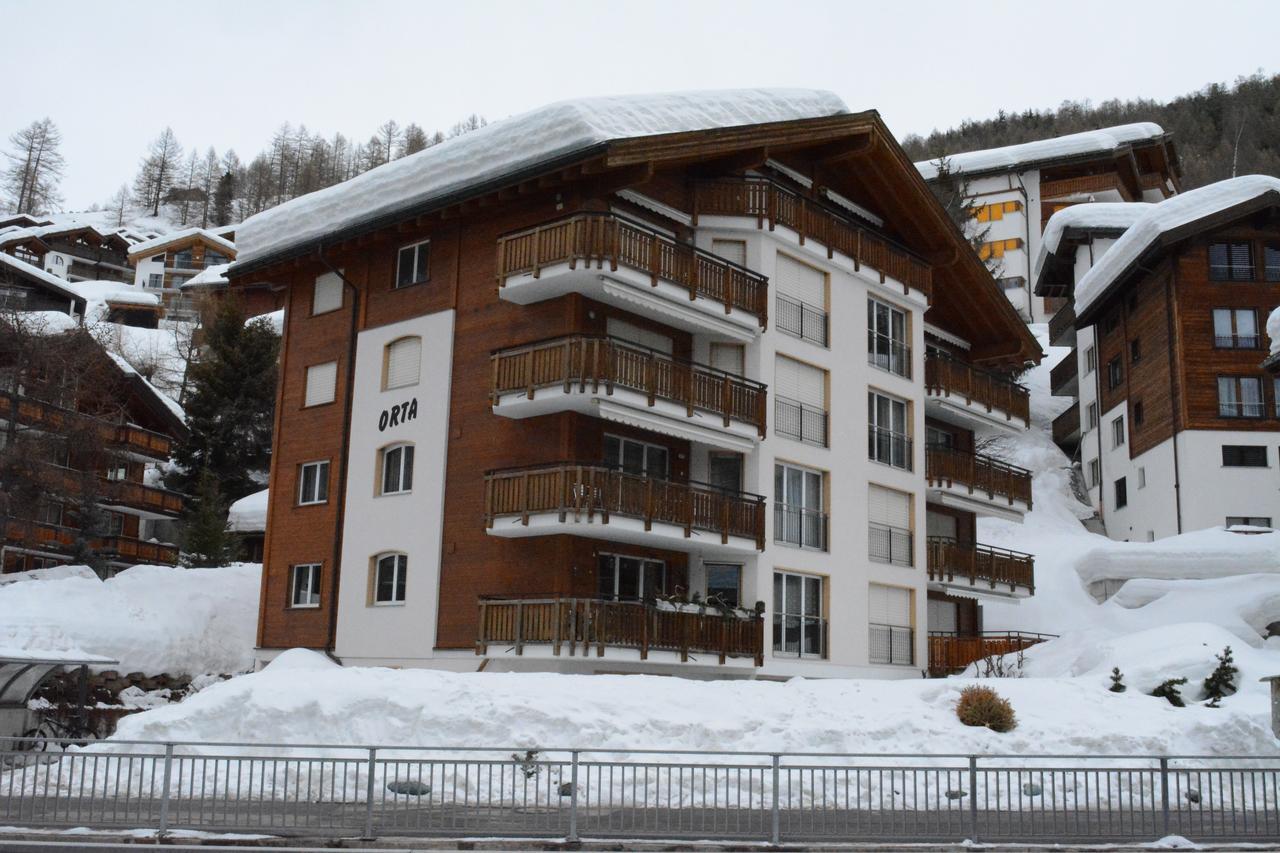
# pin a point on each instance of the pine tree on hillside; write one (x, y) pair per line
(30, 181)
(231, 404)
(157, 171)
(413, 140)
(119, 205)
(207, 540)
(951, 188)
(223, 197)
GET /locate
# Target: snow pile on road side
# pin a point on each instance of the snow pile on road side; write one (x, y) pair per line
(52, 573)
(1168, 215)
(1027, 154)
(152, 619)
(249, 514)
(507, 147)
(304, 698)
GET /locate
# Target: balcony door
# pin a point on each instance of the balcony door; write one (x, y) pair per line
(799, 508)
(630, 578)
(724, 471)
(636, 457)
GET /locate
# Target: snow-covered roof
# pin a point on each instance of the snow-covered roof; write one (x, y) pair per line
(165, 400)
(213, 276)
(1100, 216)
(508, 147)
(1171, 215)
(156, 243)
(113, 291)
(274, 319)
(249, 514)
(45, 278)
(1106, 140)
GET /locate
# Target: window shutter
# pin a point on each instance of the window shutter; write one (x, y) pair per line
(322, 382)
(890, 605)
(731, 250)
(632, 333)
(801, 382)
(942, 616)
(729, 358)
(937, 524)
(328, 294)
(800, 282)
(889, 507)
(404, 362)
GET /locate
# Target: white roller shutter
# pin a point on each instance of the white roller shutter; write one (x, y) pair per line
(632, 333)
(801, 382)
(800, 282)
(328, 294)
(729, 358)
(943, 616)
(937, 524)
(889, 605)
(404, 360)
(889, 507)
(322, 380)
(731, 250)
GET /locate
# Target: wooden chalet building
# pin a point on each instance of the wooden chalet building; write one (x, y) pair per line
(73, 251)
(164, 264)
(544, 382)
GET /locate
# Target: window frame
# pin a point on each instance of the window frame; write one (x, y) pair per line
(1118, 434)
(399, 585)
(643, 582)
(875, 430)
(781, 614)
(386, 363)
(910, 628)
(319, 481)
(1120, 493)
(313, 586)
(306, 382)
(1236, 451)
(384, 458)
(396, 283)
(1233, 339)
(1115, 373)
(1229, 269)
(1238, 401)
(315, 292)
(805, 514)
(645, 447)
(1095, 472)
(897, 357)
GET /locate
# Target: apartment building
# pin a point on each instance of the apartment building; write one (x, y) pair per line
(87, 430)
(1180, 423)
(669, 383)
(1016, 188)
(72, 250)
(165, 264)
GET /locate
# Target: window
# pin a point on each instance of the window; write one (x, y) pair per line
(155, 280)
(306, 585)
(313, 483)
(889, 442)
(1115, 373)
(49, 512)
(724, 470)
(1090, 360)
(1122, 493)
(397, 469)
(995, 211)
(889, 534)
(401, 363)
(184, 259)
(1244, 456)
(935, 437)
(731, 358)
(1271, 262)
(1095, 473)
(724, 582)
(731, 250)
(118, 472)
(616, 327)
(1135, 350)
(212, 258)
(1239, 397)
(798, 626)
(622, 578)
(1091, 416)
(997, 248)
(327, 295)
(800, 401)
(887, 341)
(1137, 413)
(1011, 282)
(799, 509)
(802, 300)
(1117, 432)
(1248, 521)
(412, 264)
(322, 382)
(1235, 328)
(636, 457)
(889, 615)
(1142, 477)
(1230, 262)
(388, 578)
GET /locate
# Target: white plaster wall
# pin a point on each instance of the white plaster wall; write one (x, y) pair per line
(410, 523)
(145, 268)
(58, 263)
(1025, 224)
(1211, 492)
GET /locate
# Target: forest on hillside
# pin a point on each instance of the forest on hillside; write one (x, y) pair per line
(1219, 131)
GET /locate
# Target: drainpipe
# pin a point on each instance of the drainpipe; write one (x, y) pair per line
(1177, 479)
(348, 396)
(1026, 221)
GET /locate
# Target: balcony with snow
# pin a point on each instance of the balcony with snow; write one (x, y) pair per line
(624, 382)
(625, 263)
(977, 483)
(969, 397)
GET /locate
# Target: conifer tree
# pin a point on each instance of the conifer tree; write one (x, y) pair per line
(30, 181)
(1221, 683)
(1117, 681)
(207, 540)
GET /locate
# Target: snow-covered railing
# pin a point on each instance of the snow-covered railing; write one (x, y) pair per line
(947, 375)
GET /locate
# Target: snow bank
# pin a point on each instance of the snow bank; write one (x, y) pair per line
(249, 514)
(52, 573)
(1169, 215)
(1103, 141)
(1212, 553)
(512, 145)
(152, 619)
(1273, 331)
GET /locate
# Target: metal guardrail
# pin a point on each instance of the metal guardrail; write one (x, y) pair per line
(801, 320)
(332, 791)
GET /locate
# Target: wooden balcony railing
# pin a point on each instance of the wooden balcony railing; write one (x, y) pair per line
(1062, 325)
(950, 652)
(1100, 182)
(1066, 427)
(946, 375)
(589, 490)
(768, 201)
(582, 623)
(609, 239)
(951, 561)
(125, 493)
(1063, 374)
(56, 418)
(947, 465)
(601, 361)
(61, 539)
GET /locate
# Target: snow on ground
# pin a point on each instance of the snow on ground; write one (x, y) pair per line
(153, 619)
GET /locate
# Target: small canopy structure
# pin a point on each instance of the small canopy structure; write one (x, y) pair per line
(22, 671)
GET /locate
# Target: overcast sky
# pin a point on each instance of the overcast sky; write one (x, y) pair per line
(226, 73)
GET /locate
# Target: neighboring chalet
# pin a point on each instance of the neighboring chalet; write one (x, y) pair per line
(247, 520)
(544, 382)
(1015, 189)
(1181, 423)
(73, 251)
(165, 264)
(98, 427)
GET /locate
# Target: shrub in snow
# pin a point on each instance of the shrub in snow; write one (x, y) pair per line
(1222, 681)
(528, 764)
(1169, 690)
(1117, 681)
(982, 706)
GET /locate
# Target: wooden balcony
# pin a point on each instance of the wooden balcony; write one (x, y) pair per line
(1064, 378)
(966, 566)
(578, 372)
(767, 201)
(552, 259)
(1066, 430)
(1062, 326)
(977, 483)
(59, 539)
(57, 419)
(579, 625)
(606, 503)
(1087, 185)
(956, 389)
(950, 653)
(124, 493)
